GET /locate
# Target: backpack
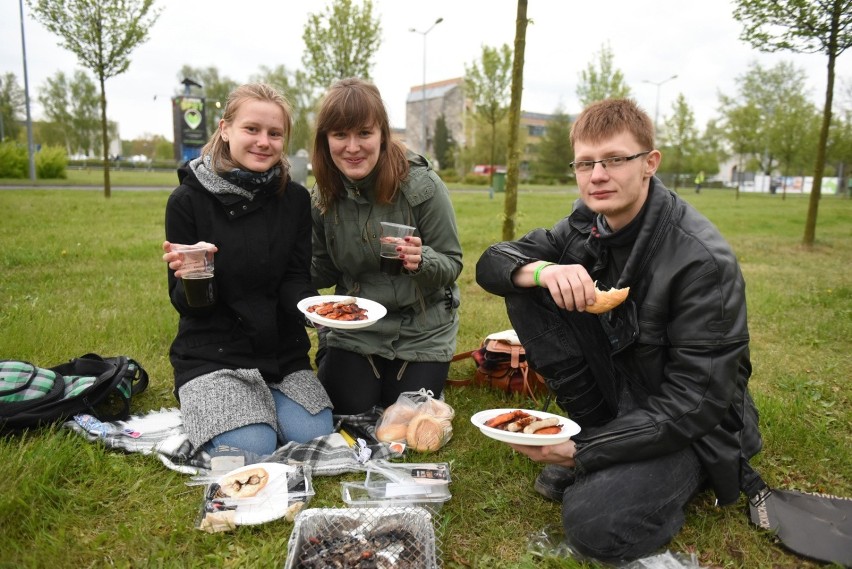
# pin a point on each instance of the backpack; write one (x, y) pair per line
(31, 396)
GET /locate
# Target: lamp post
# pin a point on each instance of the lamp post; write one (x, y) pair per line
(30, 146)
(657, 107)
(423, 87)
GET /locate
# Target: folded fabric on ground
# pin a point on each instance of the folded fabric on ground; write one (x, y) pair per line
(162, 434)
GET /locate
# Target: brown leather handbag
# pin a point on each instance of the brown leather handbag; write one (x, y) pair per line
(501, 364)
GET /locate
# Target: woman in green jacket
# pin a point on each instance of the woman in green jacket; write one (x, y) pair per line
(364, 177)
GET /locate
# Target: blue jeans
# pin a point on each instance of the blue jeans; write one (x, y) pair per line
(627, 510)
(294, 421)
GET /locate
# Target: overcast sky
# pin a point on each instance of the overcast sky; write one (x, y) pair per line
(697, 40)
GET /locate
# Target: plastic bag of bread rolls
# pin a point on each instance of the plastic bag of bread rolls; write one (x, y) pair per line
(418, 420)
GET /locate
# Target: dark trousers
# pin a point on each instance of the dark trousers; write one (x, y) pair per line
(627, 510)
(357, 383)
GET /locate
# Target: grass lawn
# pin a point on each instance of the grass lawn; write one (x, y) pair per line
(81, 273)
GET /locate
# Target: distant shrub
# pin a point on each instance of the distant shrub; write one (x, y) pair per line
(476, 179)
(449, 175)
(50, 163)
(13, 160)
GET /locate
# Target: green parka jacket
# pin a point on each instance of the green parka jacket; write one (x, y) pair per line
(422, 320)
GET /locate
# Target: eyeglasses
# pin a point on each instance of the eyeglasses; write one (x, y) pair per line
(608, 163)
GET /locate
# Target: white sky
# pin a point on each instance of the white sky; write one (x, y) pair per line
(651, 41)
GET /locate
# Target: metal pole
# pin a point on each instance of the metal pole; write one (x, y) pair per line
(425, 145)
(657, 106)
(423, 100)
(27, 96)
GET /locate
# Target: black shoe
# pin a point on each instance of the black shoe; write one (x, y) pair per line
(552, 481)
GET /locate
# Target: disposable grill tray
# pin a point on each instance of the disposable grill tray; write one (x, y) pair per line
(362, 538)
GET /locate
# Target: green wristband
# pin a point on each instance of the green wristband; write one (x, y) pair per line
(538, 270)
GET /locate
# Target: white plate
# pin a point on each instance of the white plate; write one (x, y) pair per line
(270, 503)
(375, 312)
(569, 428)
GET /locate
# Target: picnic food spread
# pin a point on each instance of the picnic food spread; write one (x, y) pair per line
(606, 300)
(521, 421)
(345, 310)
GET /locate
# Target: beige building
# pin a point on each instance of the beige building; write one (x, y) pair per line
(423, 107)
(447, 98)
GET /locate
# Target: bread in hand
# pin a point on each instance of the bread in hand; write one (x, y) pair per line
(606, 300)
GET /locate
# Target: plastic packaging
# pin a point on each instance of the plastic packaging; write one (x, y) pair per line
(418, 420)
(285, 492)
(400, 484)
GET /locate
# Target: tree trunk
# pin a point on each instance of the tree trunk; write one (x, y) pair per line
(491, 160)
(510, 205)
(105, 137)
(816, 189)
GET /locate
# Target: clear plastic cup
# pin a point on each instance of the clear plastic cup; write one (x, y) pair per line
(197, 273)
(393, 235)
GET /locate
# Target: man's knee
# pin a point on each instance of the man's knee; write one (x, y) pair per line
(608, 529)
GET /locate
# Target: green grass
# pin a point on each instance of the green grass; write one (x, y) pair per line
(80, 273)
(95, 177)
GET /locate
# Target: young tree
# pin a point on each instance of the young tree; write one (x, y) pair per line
(839, 151)
(297, 89)
(445, 145)
(680, 139)
(554, 151)
(340, 43)
(72, 105)
(601, 82)
(802, 26)
(487, 85)
(510, 206)
(795, 134)
(741, 128)
(11, 106)
(102, 34)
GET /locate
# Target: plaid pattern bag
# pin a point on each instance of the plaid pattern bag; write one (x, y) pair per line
(103, 387)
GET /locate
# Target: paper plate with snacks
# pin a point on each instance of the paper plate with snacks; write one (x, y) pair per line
(525, 427)
(339, 311)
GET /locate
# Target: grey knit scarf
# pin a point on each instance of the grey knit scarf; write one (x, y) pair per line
(238, 182)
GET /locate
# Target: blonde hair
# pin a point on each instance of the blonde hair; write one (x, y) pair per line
(352, 104)
(220, 151)
(604, 119)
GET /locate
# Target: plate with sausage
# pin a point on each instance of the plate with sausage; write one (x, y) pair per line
(339, 311)
(525, 427)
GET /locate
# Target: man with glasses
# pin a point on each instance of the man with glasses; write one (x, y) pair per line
(659, 384)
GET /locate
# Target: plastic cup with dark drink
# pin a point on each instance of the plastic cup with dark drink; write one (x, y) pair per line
(197, 274)
(393, 235)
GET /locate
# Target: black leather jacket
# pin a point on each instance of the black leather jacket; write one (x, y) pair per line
(690, 360)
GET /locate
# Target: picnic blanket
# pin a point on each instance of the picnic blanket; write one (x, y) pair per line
(162, 434)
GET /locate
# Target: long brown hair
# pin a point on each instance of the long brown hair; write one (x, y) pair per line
(220, 151)
(355, 103)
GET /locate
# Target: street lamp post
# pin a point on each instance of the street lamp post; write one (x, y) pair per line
(30, 146)
(423, 87)
(657, 107)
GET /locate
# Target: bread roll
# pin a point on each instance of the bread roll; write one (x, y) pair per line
(426, 432)
(606, 300)
(393, 432)
(244, 484)
(399, 413)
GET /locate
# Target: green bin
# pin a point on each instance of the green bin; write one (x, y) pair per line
(499, 181)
